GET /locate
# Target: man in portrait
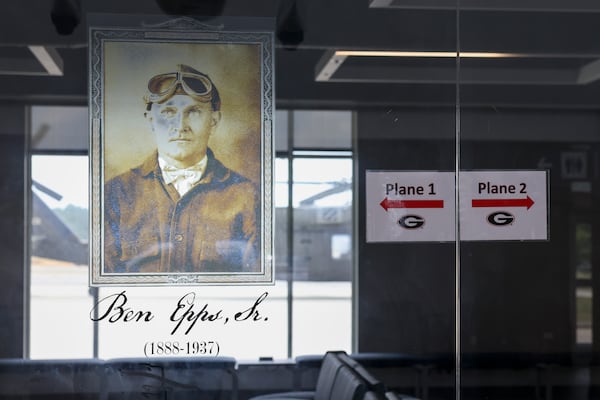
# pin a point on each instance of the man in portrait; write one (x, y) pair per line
(181, 210)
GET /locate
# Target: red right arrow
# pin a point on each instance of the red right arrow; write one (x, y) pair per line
(411, 204)
(526, 202)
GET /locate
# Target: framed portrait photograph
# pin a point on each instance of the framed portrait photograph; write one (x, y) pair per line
(181, 120)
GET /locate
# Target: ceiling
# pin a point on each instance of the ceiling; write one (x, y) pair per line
(553, 49)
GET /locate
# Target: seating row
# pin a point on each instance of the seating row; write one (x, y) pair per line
(202, 378)
(482, 375)
(491, 376)
(206, 378)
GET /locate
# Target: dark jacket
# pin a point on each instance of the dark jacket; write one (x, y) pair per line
(148, 227)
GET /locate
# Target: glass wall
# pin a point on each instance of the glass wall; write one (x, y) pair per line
(435, 198)
(529, 117)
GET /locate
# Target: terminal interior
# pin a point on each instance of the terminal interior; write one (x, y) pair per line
(364, 91)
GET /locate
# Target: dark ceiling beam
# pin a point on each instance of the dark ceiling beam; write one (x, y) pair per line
(493, 5)
(358, 27)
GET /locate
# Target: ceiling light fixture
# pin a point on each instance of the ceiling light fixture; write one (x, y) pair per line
(49, 58)
(332, 60)
(431, 54)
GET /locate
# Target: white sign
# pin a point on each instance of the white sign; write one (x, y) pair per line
(419, 206)
(413, 206)
(503, 205)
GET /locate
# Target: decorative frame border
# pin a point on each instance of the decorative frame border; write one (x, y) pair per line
(189, 31)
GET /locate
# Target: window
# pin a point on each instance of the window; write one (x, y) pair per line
(315, 209)
(322, 287)
(59, 295)
(314, 289)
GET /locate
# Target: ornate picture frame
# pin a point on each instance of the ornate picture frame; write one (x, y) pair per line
(163, 96)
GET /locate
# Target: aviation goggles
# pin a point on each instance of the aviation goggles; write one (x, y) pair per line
(163, 86)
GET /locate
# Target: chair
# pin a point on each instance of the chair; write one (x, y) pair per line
(328, 373)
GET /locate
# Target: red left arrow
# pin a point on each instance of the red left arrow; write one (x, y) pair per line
(525, 202)
(386, 204)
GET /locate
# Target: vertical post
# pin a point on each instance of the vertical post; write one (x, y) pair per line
(290, 230)
(457, 303)
(13, 232)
